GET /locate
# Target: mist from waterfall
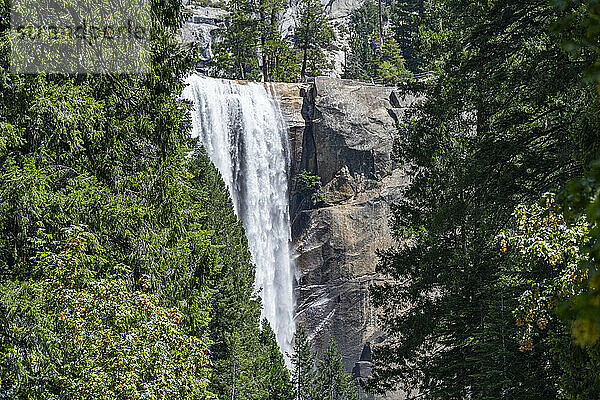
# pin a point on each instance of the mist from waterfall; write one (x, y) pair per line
(243, 131)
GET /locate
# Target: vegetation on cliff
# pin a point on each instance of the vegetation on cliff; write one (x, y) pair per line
(252, 47)
(374, 55)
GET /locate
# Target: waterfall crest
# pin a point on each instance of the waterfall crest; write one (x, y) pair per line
(243, 131)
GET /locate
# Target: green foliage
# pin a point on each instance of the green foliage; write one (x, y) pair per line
(364, 40)
(541, 235)
(284, 64)
(332, 382)
(236, 53)
(405, 21)
(303, 362)
(325, 379)
(580, 28)
(72, 335)
(277, 378)
(235, 309)
(254, 31)
(541, 239)
(579, 378)
(309, 186)
(159, 282)
(390, 63)
(278, 58)
(581, 200)
(371, 57)
(246, 362)
(313, 33)
(499, 125)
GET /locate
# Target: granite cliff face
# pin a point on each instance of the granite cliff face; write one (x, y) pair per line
(199, 29)
(203, 22)
(342, 131)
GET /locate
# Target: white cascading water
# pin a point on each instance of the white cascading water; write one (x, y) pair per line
(243, 131)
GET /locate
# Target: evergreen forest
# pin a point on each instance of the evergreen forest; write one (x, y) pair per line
(126, 274)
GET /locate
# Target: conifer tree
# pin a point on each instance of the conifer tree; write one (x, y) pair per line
(363, 41)
(499, 125)
(405, 20)
(276, 381)
(313, 34)
(389, 65)
(303, 362)
(371, 56)
(253, 35)
(235, 310)
(332, 382)
(326, 379)
(105, 263)
(283, 63)
(247, 364)
(236, 54)
(278, 60)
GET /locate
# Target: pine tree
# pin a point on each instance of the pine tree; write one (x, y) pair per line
(247, 363)
(303, 361)
(499, 124)
(313, 34)
(235, 310)
(389, 66)
(105, 264)
(405, 19)
(325, 380)
(332, 382)
(276, 383)
(372, 56)
(253, 35)
(278, 59)
(283, 61)
(236, 54)
(364, 41)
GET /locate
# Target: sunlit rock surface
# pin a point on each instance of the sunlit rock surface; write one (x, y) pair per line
(199, 29)
(342, 131)
(203, 22)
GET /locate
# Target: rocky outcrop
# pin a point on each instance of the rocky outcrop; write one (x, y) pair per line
(342, 131)
(199, 30)
(202, 23)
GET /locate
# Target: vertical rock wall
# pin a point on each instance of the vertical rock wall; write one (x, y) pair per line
(202, 22)
(342, 131)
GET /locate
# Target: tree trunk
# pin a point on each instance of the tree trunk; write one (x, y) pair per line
(303, 72)
(380, 27)
(304, 56)
(263, 40)
(265, 66)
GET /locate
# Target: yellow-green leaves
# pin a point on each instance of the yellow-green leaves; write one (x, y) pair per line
(540, 234)
(80, 337)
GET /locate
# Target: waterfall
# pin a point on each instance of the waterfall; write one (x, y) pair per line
(244, 133)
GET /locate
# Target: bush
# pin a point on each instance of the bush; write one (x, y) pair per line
(309, 186)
